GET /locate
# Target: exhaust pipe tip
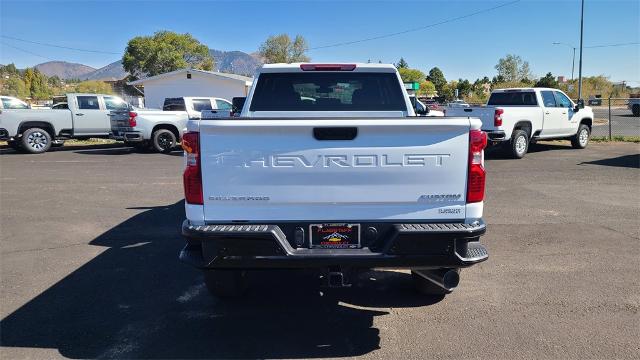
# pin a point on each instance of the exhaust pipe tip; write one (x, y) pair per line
(447, 279)
(450, 279)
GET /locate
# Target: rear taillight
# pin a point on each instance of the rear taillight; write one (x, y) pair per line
(327, 67)
(132, 118)
(192, 177)
(497, 117)
(477, 174)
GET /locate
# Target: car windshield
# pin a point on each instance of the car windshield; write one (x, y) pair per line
(513, 98)
(328, 91)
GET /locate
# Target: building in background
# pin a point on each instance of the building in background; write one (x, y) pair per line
(190, 82)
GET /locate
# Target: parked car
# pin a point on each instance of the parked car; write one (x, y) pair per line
(161, 130)
(35, 130)
(348, 181)
(515, 117)
(595, 100)
(458, 103)
(634, 105)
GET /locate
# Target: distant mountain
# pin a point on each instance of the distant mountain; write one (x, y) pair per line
(235, 62)
(113, 71)
(64, 70)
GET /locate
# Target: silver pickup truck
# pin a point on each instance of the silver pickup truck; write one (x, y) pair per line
(161, 130)
(74, 116)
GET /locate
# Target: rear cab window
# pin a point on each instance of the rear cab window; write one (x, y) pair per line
(513, 98)
(88, 103)
(9, 103)
(115, 103)
(201, 104)
(328, 91)
(174, 104)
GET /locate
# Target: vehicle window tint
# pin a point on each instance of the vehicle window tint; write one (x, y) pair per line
(328, 91)
(174, 104)
(60, 106)
(513, 98)
(548, 99)
(201, 104)
(9, 103)
(223, 105)
(115, 103)
(562, 100)
(88, 103)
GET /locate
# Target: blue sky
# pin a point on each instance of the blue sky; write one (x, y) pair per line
(467, 48)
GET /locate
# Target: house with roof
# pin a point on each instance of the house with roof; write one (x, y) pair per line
(191, 82)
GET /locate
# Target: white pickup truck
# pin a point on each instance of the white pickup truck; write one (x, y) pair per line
(161, 130)
(76, 116)
(329, 167)
(516, 117)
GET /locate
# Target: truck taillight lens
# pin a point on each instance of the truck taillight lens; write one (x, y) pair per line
(497, 117)
(132, 118)
(192, 176)
(477, 174)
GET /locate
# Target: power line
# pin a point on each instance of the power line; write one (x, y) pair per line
(612, 45)
(59, 46)
(417, 28)
(26, 51)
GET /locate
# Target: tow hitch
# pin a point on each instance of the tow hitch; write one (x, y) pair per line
(337, 277)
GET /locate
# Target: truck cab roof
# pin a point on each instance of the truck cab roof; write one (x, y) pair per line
(303, 67)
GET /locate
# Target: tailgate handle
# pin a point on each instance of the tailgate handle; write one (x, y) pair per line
(468, 110)
(335, 133)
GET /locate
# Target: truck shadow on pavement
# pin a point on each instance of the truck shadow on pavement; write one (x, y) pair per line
(628, 161)
(135, 300)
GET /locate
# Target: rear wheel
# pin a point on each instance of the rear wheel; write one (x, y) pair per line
(163, 140)
(225, 283)
(519, 144)
(635, 109)
(581, 138)
(35, 141)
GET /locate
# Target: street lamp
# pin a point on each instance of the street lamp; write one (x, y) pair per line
(573, 63)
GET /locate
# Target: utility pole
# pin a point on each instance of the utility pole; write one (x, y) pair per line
(580, 63)
(573, 59)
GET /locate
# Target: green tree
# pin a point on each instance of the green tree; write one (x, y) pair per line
(464, 87)
(9, 69)
(281, 49)
(14, 86)
(39, 86)
(437, 78)
(402, 64)
(513, 68)
(448, 90)
(548, 81)
(411, 75)
(164, 52)
(426, 89)
(94, 86)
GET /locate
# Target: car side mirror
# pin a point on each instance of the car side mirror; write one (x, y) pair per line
(420, 111)
(579, 105)
(237, 103)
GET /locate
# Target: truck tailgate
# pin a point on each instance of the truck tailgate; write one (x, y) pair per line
(397, 168)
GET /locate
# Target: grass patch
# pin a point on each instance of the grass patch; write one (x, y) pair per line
(617, 138)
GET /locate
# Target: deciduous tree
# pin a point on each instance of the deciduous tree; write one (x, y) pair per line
(163, 52)
(513, 68)
(281, 49)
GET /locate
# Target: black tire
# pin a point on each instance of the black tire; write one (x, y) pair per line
(163, 140)
(635, 109)
(15, 145)
(519, 144)
(57, 143)
(427, 287)
(581, 139)
(225, 283)
(35, 141)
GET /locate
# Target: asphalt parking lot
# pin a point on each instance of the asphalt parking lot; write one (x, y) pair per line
(89, 269)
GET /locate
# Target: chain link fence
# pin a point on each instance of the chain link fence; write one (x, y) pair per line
(616, 117)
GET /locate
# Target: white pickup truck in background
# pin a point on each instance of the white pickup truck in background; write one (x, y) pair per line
(73, 116)
(161, 130)
(329, 167)
(515, 117)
